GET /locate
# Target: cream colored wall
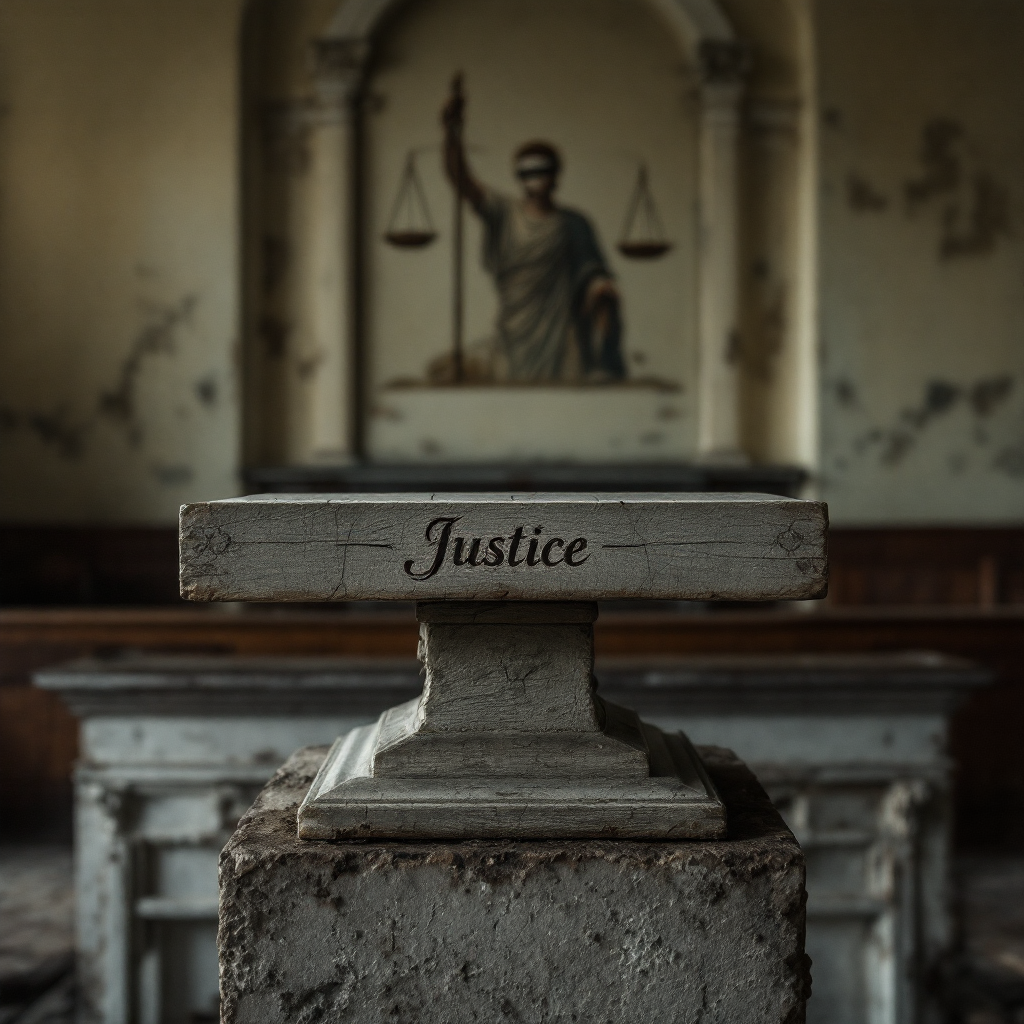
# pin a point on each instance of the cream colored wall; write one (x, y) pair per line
(922, 299)
(119, 233)
(607, 82)
(118, 258)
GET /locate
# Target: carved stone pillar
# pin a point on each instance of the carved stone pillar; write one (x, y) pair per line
(718, 434)
(321, 293)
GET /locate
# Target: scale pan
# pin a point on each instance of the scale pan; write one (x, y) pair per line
(410, 239)
(644, 250)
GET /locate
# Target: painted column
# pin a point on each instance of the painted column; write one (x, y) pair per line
(718, 437)
(321, 232)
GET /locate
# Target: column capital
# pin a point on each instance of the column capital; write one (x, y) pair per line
(338, 68)
(722, 69)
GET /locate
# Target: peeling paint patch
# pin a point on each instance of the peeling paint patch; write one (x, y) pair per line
(973, 206)
(939, 155)
(57, 428)
(975, 231)
(986, 395)
(157, 337)
(939, 399)
(69, 436)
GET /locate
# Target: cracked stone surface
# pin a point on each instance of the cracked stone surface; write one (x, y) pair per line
(501, 547)
(494, 930)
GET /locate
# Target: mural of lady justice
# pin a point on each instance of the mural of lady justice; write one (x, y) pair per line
(559, 317)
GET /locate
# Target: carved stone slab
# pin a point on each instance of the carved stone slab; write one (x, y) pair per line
(500, 547)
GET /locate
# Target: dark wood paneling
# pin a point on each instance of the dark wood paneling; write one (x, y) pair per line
(941, 566)
(89, 565)
(987, 732)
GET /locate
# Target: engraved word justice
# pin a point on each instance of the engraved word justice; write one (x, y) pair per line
(477, 551)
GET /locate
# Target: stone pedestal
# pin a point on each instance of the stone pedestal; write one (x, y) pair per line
(623, 914)
(509, 739)
(492, 930)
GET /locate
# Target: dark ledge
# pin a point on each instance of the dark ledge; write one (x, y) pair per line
(552, 476)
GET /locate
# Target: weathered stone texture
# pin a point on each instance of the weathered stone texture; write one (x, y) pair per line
(556, 931)
(501, 547)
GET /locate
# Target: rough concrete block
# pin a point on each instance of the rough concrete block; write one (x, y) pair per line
(492, 930)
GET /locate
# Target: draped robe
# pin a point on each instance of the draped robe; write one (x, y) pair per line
(543, 267)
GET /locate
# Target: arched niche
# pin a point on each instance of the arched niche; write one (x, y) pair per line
(319, 285)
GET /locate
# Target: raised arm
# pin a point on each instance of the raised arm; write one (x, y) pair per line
(455, 164)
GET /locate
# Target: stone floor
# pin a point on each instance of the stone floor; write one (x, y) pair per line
(983, 981)
(36, 936)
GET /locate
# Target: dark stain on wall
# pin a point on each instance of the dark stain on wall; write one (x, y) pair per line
(846, 392)
(975, 230)
(207, 390)
(987, 394)
(940, 140)
(973, 206)
(69, 437)
(55, 428)
(940, 397)
(765, 322)
(156, 337)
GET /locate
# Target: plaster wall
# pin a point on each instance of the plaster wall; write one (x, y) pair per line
(922, 260)
(118, 239)
(119, 198)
